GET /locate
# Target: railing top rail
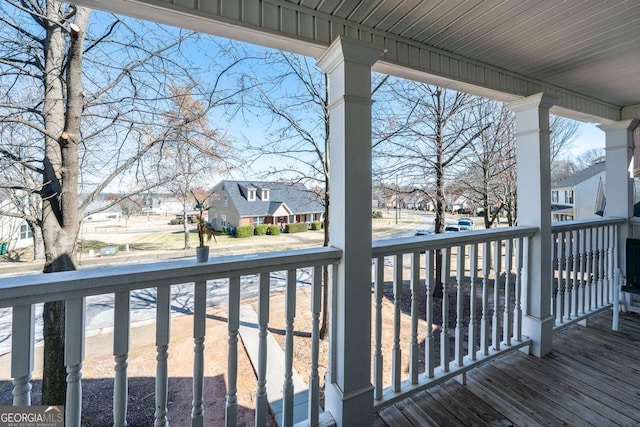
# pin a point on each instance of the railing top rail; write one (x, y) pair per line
(385, 247)
(582, 224)
(36, 288)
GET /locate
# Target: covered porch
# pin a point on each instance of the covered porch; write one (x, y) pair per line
(581, 382)
(504, 290)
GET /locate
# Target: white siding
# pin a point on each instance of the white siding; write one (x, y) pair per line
(585, 197)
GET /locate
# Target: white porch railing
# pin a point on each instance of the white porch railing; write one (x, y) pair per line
(585, 257)
(22, 293)
(479, 317)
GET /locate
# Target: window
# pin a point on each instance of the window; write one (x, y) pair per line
(251, 195)
(554, 196)
(226, 201)
(258, 220)
(568, 196)
(265, 195)
(25, 232)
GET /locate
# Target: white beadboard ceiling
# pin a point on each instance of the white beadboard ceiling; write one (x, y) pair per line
(583, 53)
(587, 46)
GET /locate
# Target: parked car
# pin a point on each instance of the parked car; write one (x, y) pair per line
(423, 233)
(452, 229)
(465, 224)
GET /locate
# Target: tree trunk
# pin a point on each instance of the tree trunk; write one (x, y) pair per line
(38, 243)
(60, 178)
(185, 227)
(324, 322)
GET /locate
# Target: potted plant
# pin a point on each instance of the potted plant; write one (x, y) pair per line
(205, 232)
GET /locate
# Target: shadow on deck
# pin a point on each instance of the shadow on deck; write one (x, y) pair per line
(591, 378)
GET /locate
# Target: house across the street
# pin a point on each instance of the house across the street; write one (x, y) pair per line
(237, 203)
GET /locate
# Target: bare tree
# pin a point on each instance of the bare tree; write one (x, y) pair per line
(490, 171)
(86, 107)
(422, 132)
(422, 135)
(488, 176)
(295, 97)
(192, 152)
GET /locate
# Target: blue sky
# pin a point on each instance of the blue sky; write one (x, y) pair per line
(590, 137)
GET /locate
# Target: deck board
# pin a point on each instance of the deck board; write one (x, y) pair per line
(592, 377)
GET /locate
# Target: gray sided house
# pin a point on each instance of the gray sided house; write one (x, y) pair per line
(579, 195)
(237, 203)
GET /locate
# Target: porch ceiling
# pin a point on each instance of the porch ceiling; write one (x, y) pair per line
(582, 52)
(587, 46)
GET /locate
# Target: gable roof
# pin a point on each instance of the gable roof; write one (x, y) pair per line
(295, 197)
(581, 176)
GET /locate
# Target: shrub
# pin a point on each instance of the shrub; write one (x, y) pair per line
(316, 225)
(244, 231)
(296, 228)
(261, 229)
(376, 214)
(273, 230)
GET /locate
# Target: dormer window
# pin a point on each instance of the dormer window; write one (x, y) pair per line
(251, 195)
(264, 196)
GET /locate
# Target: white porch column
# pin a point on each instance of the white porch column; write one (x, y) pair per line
(534, 209)
(348, 392)
(619, 177)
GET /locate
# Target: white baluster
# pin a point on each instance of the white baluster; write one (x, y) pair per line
(429, 270)
(507, 316)
(559, 288)
(567, 276)
(263, 322)
(609, 269)
(484, 322)
(73, 357)
(377, 355)
(233, 324)
(314, 378)
(163, 321)
(199, 332)
(22, 343)
(473, 302)
(574, 287)
(517, 309)
(554, 282)
(459, 333)
(444, 331)
(589, 269)
(613, 289)
(601, 257)
(290, 314)
(414, 349)
(497, 257)
(582, 266)
(121, 328)
(526, 247)
(396, 355)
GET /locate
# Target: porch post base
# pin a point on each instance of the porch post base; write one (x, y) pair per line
(354, 408)
(541, 333)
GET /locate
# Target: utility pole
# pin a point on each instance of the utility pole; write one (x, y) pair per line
(397, 199)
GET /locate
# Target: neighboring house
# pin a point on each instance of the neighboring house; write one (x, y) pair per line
(577, 196)
(113, 212)
(15, 231)
(237, 203)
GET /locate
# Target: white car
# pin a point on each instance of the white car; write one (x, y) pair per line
(465, 224)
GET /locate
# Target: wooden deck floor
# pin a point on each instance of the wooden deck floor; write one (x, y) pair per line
(591, 378)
